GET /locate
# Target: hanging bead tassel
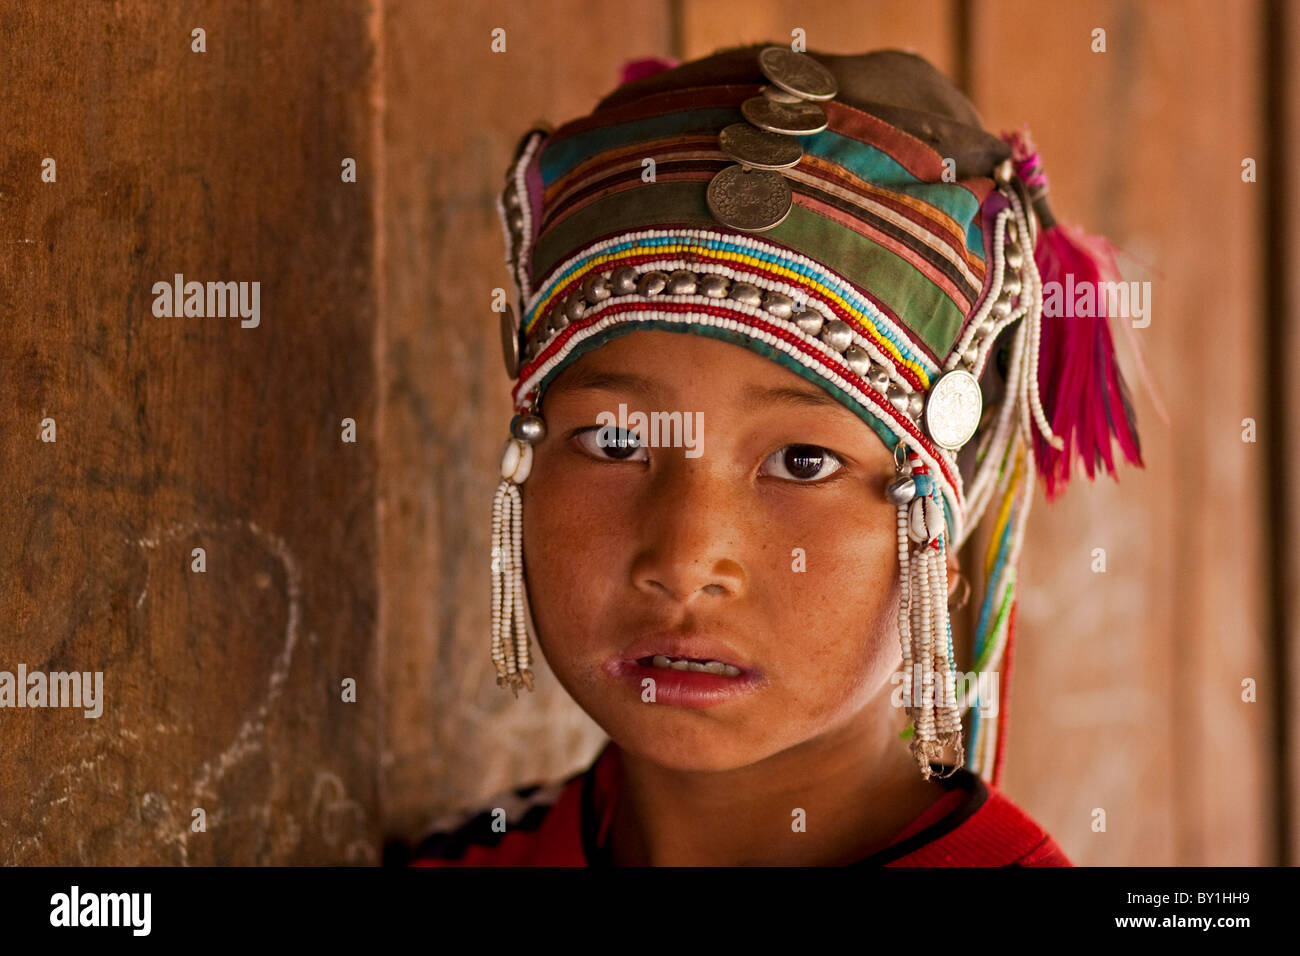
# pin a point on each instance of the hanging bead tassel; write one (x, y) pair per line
(511, 621)
(925, 632)
(1022, 427)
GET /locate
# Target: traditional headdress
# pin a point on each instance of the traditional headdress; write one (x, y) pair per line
(848, 218)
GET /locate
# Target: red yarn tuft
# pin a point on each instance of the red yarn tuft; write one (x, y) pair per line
(646, 66)
(1083, 393)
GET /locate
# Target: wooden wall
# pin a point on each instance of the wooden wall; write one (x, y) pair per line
(328, 559)
(1138, 671)
(222, 687)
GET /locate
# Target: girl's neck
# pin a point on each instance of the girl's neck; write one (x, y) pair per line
(829, 801)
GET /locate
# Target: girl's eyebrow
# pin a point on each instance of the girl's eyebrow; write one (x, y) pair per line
(578, 378)
(583, 378)
(785, 395)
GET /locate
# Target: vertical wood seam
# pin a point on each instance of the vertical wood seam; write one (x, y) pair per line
(378, 78)
(962, 57)
(1276, 503)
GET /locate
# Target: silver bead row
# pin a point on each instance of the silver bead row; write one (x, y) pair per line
(515, 215)
(997, 311)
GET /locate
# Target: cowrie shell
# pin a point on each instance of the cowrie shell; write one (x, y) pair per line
(925, 520)
(516, 461)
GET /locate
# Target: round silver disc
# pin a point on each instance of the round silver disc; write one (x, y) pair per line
(758, 148)
(751, 200)
(792, 119)
(952, 408)
(779, 95)
(797, 73)
(510, 341)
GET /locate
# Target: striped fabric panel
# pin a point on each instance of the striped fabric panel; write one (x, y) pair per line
(879, 153)
(907, 226)
(876, 211)
(891, 156)
(701, 110)
(603, 173)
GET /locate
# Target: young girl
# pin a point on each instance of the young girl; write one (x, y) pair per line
(783, 343)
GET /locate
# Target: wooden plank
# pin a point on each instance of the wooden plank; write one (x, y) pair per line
(925, 27)
(222, 688)
(1287, 213)
(454, 111)
(1127, 691)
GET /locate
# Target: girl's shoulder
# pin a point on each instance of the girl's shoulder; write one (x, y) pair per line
(984, 828)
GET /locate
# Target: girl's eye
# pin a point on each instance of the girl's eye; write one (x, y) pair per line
(802, 463)
(612, 443)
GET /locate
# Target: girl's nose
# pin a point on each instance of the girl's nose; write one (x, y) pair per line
(692, 535)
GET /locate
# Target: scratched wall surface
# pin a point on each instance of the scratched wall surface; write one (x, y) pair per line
(222, 687)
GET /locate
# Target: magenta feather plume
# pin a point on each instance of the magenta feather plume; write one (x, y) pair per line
(645, 66)
(1083, 393)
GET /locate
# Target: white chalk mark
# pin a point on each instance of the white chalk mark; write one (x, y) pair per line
(174, 808)
(246, 740)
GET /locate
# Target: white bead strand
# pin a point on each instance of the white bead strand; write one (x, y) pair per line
(522, 656)
(904, 607)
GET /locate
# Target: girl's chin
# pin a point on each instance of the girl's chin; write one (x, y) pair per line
(673, 745)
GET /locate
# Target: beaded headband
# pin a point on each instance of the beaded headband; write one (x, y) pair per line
(841, 245)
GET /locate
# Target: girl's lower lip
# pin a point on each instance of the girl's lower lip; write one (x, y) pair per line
(693, 689)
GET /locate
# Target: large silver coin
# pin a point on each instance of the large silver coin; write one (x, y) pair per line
(797, 73)
(792, 119)
(780, 95)
(510, 341)
(758, 148)
(751, 200)
(952, 408)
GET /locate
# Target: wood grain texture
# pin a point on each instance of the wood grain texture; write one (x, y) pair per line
(454, 111)
(222, 688)
(925, 27)
(1127, 685)
(1289, 389)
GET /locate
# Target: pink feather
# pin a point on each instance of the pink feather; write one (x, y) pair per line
(645, 66)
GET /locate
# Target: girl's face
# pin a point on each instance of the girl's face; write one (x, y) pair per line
(767, 546)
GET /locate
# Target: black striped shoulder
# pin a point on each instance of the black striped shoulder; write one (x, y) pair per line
(519, 809)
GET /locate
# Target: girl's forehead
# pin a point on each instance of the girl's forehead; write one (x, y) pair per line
(667, 369)
(676, 357)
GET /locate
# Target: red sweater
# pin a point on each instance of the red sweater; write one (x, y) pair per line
(566, 824)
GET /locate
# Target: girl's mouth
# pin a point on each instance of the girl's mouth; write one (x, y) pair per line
(664, 662)
(690, 682)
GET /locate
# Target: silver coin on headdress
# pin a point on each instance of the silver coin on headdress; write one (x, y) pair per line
(797, 73)
(751, 200)
(758, 148)
(792, 119)
(779, 95)
(952, 408)
(510, 341)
